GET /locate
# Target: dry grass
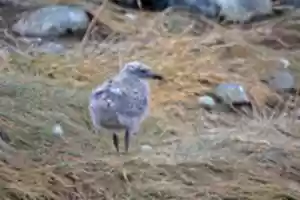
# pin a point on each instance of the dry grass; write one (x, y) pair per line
(196, 154)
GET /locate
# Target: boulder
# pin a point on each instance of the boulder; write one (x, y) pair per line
(52, 21)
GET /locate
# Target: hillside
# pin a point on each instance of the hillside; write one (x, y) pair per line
(196, 154)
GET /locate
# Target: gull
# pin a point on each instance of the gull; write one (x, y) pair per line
(122, 102)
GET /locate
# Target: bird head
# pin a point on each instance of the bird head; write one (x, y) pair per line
(141, 70)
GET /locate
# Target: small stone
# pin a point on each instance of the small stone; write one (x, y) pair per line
(281, 80)
(131, 16)
(274, 156)
(209, 8)
(212, 39)
(285, 62)
(293, 3)
(207, 102)
(146, 148)
(57, 130)
(231, 93)
(4, 136)
(50, 48)
(31, 40)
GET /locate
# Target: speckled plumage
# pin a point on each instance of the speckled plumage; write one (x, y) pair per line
(122, 102)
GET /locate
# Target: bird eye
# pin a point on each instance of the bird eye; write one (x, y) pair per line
(143, 70)
(97, 94)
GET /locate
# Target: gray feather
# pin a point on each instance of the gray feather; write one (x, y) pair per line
(121, 102)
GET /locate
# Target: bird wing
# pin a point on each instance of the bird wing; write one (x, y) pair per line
(123, 98)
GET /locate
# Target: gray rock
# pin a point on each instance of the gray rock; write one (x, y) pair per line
(274, 156)
(231, 93)
(148, 4)
(244, 10)
(52, 21)
(207, 102)
(4, 136)
(293, 3)
(50, 48)
(131, 16)
(281, 80)
(233, 10)
(31, 40)
(209, 8)
(57, 130)
(146, 148)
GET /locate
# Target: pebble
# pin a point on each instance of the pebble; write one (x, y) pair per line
(57, 130)
(285, 62)
(149, 4)
(146, 148)
(209, 8)
(4, 136)
(231, 93)
(131, 16)
(50, 48)
(207, 102)
(281, 80)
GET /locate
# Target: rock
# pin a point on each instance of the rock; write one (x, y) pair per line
(281, 80)
(4, 136)
(127, 3)
(30, 40)
(6, 147)
(209, 8)
(207, 102)
(285, 63)
(5, 53)
(131, 16)
(213, 39)
(274, 157)
(57, 130)
(232, 10)
(145, 4)
(293, 3)
(146, 148)
(231, 93)
(244, 10)
(52, 21)
(50, 48)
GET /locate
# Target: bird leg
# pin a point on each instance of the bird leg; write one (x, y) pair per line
(139, 3)
(127, 140)
(116, 141)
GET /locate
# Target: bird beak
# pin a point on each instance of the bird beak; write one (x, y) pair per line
(156, 76)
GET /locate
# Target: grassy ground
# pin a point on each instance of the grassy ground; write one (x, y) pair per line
(196, 154)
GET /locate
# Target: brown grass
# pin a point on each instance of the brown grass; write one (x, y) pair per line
(196, 154)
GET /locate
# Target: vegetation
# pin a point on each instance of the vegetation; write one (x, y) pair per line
(196, 154)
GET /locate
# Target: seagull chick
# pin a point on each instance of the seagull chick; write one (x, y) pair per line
(122, 102)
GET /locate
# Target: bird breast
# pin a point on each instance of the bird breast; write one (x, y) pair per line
(120, 104)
